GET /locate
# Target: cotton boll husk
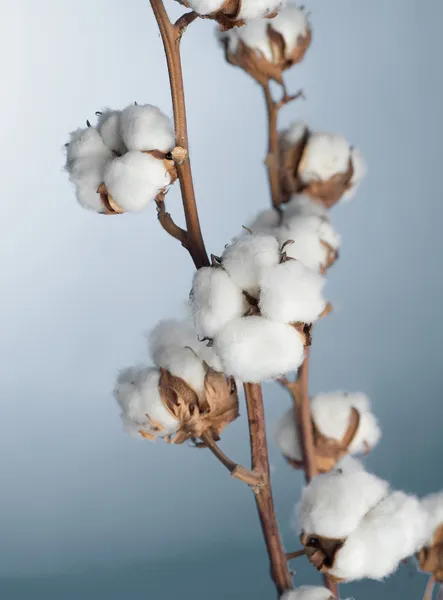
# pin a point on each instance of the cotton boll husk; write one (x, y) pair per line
(391, 531)
(135, 179)
(138, 396)
(291, 23)
(255, 9)
(205, 7)
(433, 506)
(146, 127)
(248, 258)
(87, 174)
(183, 363)
(333, 504)
(285, 436)
(254, 35)
(325, 155)
(294, 133)
(254, 349)
(108, 126)
(265, 222)
(368, 434)
(301, 205)
(86, 143)
(308, 592)
(359, 172)
(291, 292)
(215, 300)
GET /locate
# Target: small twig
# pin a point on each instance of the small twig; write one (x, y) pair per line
(296, 554)
(182, 23)
(168, 224)
(290, 98)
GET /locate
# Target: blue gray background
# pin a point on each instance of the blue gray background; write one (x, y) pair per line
(86, 512)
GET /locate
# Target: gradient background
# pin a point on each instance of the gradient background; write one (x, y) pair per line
(86, 512)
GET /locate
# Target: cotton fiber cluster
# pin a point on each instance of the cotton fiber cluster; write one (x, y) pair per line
(331, 414)
(433, 505)
(308, 592)
(252, 307)
(124, 155)
(244, 9)
(377, 527)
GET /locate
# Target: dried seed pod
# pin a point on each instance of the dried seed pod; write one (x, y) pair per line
(265, 49)
(321, 551)
(231, 13)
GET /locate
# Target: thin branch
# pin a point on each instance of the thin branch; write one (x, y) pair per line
(263, 495)
(429, 588)
(168, 224)
(296, 554)
(273, 158)
(237, 471)
(171, 36)
(182, 23)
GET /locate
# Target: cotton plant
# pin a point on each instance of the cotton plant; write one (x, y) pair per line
(253, 310)
(342, 423)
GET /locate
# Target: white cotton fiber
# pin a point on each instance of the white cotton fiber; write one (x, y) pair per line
(205, 7)
(294, 133)
(308, 592)
(183, 363)
(433, 506)
(215, 300)
(391, 531)
(255, 9)
(334, 503)
(291, 23)
(248, 258)
(359, 172)
(291, 292)
(146, 128)
(265, 222)
(254, 349)
(254, 35)
(139, 399)
(86, 143)
(301, 205)
(87, 174)
(135, 179)
(285, 436)
(325, 155)
(108, 126)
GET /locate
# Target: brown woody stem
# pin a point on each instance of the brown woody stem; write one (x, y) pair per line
(263, 495)
(429, 588)
(171, 36)
(273, 158)
(237, 471)
(167, 222)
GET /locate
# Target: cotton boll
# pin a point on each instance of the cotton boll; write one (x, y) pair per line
(254, 349)
(146, 128)
(109, 128)
(433, 506)
(291, 292)
(324, 156)
(248, 258)
(285, 436)
(265, 222)
(138, 396)
(291, 23)
(359, 172)
(215, 300)
(391, 531)
(308, 592)
(255, 9)
(183, 363)
(333, 504)
(86, 143)
(254, 35)
(135, 179)
(205, 7)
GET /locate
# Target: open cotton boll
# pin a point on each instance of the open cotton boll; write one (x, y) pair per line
(285, 436)
(359, 172)
(109, 128)
(291, 23)
(215, 300)
(254, 349)
(138, 396)
(265, 222)
(324, 156)
(291, 292)
(433, 506)
(146, 128)
(86, 143)
(183, 363)
(254, 35)
(135, 179)
(308, 592)
(391, 531)
(302, 205)
(333, 504)
(255, 9)
(87, 174)
(248, 258)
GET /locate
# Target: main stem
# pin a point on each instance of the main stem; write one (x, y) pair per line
(263, 495)
(273, 157)
(171, 36)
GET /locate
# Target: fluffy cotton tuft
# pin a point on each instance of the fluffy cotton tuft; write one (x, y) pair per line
(255, 9)
(86, 143)
(334, 503)
(391, 531)
(138, 396)
(135, 179)
(146, 127)
(291, 23)
(254, 349)
(247, 259)
(87, 174)
(215, 300)
(308, 592)
(291, 292)
(108, 126)
(265, 222)
(325, 155)
(433, 506)
(285, 436)
(205, 7)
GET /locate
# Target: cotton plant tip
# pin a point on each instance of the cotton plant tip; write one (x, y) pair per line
(108, 126)
(135, 179)
(290, 292)
(391, 531)
(143, 410)
(87, 174)
(334, 503)
(248, 258)
(285, 436)
(146, 127)
(216, 300)
(255, 349)
(86, 144)
(308, 592)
